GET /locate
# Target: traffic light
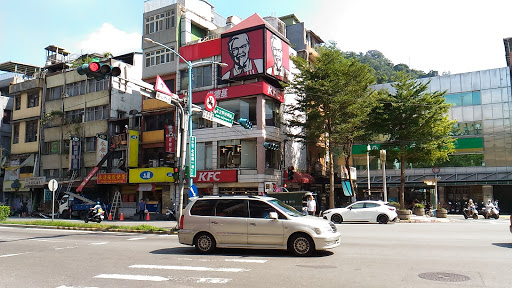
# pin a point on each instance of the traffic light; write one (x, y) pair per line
(245, 123)
(176, 174)
(290, 173)
(98, 70)
(271, 146)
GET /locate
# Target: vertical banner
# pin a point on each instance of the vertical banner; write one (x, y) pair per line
(101, 148)
(133, 148)
(192, 156)
(170, 139)
(74, 153)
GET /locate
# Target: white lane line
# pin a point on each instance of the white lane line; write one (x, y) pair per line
(189, 268)
(168, 235)
(15, 254)
(131, 277)
(45, 240)
(98, 243)
(136, 238)
(211, 280)
(68, 247)
(64, 286)
(246, 260)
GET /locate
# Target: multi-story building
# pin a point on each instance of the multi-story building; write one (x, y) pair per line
(480, 169)
(21, 89)
(229, 159)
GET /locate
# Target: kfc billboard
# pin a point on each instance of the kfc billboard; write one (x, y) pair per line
(243, 52)
(278, 57)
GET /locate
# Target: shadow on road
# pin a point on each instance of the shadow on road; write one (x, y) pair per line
(238, 252)
(504, 245)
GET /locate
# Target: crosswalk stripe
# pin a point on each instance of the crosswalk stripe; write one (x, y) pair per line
(189, 268)
(131, 277)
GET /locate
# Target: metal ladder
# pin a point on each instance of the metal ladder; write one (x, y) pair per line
(70, 184)
(116, 203)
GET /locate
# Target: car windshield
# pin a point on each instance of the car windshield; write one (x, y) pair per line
(289, 210)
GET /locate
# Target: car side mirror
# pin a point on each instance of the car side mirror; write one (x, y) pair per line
(273, 215)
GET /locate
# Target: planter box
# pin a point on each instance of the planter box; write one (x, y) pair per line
(404, 214)
(419, 211)
(441, 213)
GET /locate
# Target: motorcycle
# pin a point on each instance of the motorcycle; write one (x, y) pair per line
(169, 214)
(95, 217)
(471, 212)
(491, 211)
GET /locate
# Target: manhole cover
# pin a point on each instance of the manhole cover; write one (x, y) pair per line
(444, 277)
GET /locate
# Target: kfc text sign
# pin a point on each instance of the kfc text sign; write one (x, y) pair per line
(216, 176)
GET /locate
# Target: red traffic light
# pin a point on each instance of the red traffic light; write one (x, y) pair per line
(94, 66)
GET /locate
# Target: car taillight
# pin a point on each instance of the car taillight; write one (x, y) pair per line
(392, 208)
(181, 222)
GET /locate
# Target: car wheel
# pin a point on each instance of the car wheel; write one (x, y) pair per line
(205, 243)
(383, 219)
(337, 219)
(301, 245)
(496, 216)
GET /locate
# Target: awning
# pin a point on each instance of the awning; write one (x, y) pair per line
(300, 177)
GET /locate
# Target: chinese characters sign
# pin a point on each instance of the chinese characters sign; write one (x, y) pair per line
(74, 153)
(111, 178)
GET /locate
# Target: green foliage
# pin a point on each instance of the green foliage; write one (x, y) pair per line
(385, 70)
(334, 96)
(395, 204)
(415, 124)
(419, 205)
(5, 211)
(103, 227)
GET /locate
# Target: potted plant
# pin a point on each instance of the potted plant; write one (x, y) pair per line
(419, 209)
(441, 212)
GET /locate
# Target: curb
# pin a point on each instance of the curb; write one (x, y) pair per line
(170, 232)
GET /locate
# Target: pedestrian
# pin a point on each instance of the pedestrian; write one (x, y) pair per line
(142, 209)
(311, 204)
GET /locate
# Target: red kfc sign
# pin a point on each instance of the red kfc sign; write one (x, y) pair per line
(216, 176)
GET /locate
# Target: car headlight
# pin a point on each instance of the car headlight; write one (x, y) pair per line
(317, 230)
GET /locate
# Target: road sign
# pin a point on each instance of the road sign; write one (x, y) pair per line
(192, 157)
(53, 185)
(210, 102)
(220, 115)
(164, 97)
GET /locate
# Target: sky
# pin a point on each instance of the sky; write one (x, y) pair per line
(453, 36)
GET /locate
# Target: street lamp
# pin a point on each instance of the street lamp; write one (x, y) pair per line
(190, 65)
(368, 148)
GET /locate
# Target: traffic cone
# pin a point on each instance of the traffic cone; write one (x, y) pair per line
(147, 217)
(109, 216)
(121, 217)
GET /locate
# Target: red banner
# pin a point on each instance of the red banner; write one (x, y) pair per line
(170, 139)
(216, 176)
(111, 178)
(240, 91)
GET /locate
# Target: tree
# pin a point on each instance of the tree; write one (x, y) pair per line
(415, 124)
(333, 102)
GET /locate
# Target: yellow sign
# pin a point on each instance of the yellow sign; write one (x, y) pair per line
(151, 175)
(133, 148)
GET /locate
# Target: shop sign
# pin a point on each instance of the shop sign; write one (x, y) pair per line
(7, 186)
(237, 91)
(111, 178)
(151, 175)
(34, 181)
(216, 176)
(74, 153)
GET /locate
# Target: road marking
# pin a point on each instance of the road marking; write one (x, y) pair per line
(98, 243)
(168, 235)
(189, 268)
(64, 286)
(68, 247)
(45, 240)
(131, 277)
(210, 280)
(15, 254)
(136, 238)
(246, 260)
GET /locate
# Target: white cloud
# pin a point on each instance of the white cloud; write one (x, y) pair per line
(109, 39)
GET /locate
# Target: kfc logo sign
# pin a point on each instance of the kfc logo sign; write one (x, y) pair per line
(216, 176)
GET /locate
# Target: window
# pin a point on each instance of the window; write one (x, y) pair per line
(51, 173)
(98, 85)
(51, 147)
(7, 117)
(203, 208)
(229, 153)
(97, 113)
(204, 155)
(90, 144)
(54, 93)
(75, 89)
(16, 133)
(158, 121)
(230, 208)
(159, 57)
(31, 131)
(258, 209)
(464, 99)
(33, 100)
(159, 22)
(17, 102)
(272, 113)
(467, 128)
(243, 108)
(74, 116)
(201, 77)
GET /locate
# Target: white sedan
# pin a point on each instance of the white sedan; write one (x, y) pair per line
(362, 211)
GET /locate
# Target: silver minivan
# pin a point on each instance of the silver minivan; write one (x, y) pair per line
(257, 222)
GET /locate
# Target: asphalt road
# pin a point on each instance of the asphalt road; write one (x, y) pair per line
(475, 253)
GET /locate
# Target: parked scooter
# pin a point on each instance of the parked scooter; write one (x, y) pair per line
(170, 214)
(491, 210)
(93, 216)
